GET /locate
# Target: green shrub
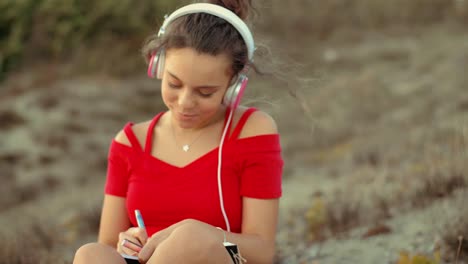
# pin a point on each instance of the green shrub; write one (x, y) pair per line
(48, 29)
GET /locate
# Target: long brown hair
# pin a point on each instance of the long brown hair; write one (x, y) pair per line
(206, 34)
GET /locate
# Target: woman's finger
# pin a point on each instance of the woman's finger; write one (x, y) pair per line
(140, 234)
(125, 238)
(131, 245)
(135, 232)
(146, 252)
(152, 243)
(123, 249)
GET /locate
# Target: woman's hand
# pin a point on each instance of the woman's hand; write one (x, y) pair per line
(134, 234)
(190, 230)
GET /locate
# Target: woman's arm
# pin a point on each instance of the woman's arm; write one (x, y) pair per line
(114, 220)
(114, 217)
(259, 221)
(259, 216)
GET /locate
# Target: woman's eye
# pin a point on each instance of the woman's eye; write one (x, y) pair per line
(173, 85)
(206, 94)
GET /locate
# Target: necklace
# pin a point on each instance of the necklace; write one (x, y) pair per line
(185, 147)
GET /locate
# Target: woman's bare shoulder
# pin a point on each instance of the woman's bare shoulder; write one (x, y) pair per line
(139, 129)
(259, 123)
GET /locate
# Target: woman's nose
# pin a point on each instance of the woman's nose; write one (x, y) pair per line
(186, 99)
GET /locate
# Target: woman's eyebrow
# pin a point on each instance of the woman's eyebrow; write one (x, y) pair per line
(173, 75)
(200, 86)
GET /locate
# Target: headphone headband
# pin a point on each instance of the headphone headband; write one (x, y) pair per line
(218, 11)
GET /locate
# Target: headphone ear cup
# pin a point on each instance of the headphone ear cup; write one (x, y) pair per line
(152, 65)
(156, 64)
(160, 64)
(227, 96)
(235, 92)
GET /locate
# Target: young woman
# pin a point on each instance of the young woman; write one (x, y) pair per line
(204, 172)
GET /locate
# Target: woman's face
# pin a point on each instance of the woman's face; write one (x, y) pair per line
(193, 86)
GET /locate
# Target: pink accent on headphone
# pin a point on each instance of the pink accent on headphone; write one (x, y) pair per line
(150, 67)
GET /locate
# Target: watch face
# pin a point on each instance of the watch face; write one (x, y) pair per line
(130, 259)
(233, 251)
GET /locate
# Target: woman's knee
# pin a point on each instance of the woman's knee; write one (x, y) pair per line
(97, 253)
(194, 240)
(84, 253)
(190, 243)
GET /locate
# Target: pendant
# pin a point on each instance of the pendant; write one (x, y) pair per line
(185, 148)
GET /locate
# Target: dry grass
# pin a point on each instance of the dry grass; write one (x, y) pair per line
(13, 193)
(321, 19)
(407, 258)
(397, 143)
(454, 228)
(374, 191)
(32, 244)
(41, 240)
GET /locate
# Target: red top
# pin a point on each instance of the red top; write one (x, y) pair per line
(166, 194)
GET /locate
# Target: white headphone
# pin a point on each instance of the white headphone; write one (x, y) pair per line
(235, 91)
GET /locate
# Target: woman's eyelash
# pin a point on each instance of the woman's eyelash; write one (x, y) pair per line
(205, 95)
(173, 85)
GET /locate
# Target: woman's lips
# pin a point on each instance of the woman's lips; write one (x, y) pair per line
(186, 116)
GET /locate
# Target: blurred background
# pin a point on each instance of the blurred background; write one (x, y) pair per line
(371, 103)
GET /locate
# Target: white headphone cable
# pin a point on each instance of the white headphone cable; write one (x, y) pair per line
(220, 150)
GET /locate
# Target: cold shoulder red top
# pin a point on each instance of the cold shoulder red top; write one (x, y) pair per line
(166, 194)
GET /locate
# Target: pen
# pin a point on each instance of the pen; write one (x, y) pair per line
(139, 219)
(131, 245)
